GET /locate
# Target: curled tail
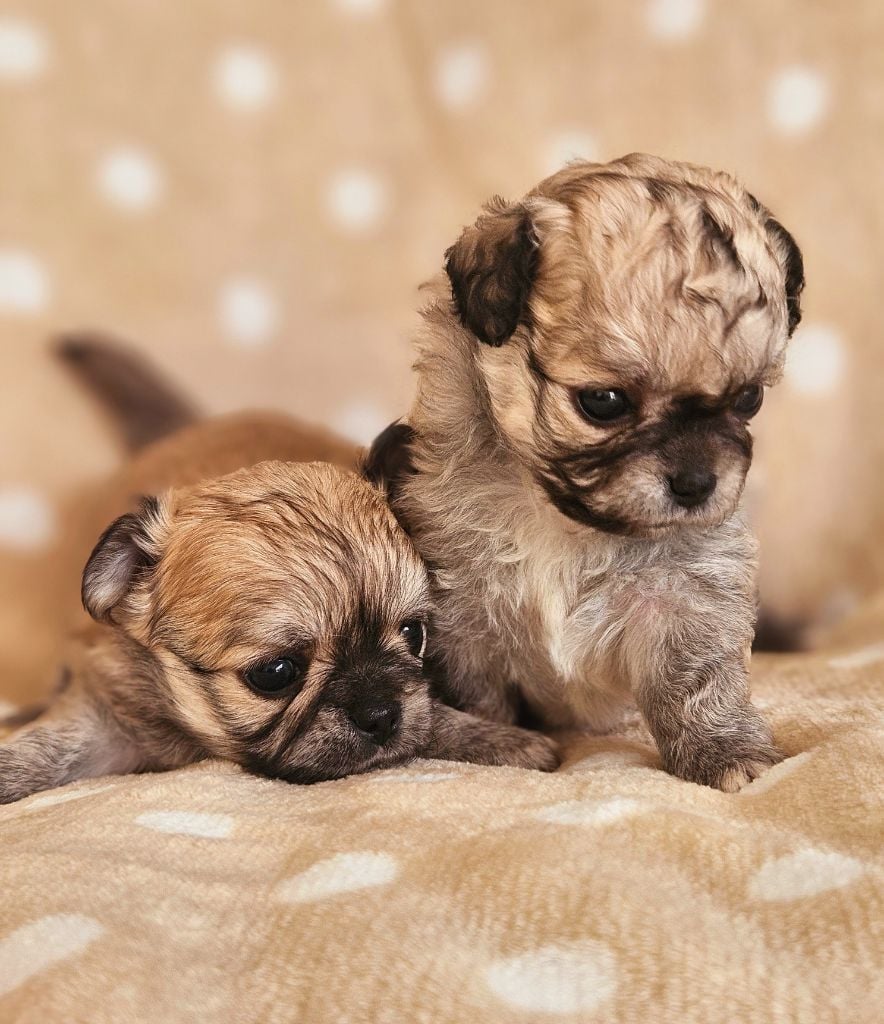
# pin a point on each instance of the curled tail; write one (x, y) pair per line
(142, 404)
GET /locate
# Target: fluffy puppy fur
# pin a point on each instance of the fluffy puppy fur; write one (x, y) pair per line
(573, 464)
(276, 617)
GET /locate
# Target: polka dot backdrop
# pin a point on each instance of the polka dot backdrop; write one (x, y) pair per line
(252, 193)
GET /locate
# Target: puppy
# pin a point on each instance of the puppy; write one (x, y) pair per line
(573, 464)
(277, 617)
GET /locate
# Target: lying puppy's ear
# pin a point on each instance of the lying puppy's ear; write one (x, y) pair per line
(791, 260)
(127, 549)
(491, 268)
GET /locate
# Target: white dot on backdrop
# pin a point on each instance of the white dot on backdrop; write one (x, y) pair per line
(130, 178)
(797, 99)
(461, 75)
(361, 422)
(566, 978)
(357, 199)
(360, 7)
(568, 146)
(815, 360)
(248, 312)
(24, 285)
(23, 49)
(27, 520)
(245, 78)
(675, 19)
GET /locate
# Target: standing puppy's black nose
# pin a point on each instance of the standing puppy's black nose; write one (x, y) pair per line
(378, 721)
(692, 486)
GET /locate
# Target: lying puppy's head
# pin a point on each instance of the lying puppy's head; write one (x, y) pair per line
(283, 616)
(628, 318)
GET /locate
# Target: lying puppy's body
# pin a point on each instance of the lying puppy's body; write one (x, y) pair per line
(574, 461)
(276, 617)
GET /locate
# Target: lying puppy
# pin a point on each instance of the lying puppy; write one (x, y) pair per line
(276, 617)
(573, 464)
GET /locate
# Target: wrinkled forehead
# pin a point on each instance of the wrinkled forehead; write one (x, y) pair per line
(233, 589)
(678, 291)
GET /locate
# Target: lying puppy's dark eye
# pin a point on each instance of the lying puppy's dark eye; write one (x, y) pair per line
(602, 405)
(276, 677)
(749, 400)
(414, 633)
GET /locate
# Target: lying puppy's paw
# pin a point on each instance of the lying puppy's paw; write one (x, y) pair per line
(459, 736)
(532, 750)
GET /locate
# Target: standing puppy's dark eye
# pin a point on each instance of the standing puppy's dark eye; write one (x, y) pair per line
(749, 400)
(276, 677)
(414, 633)
(602, 405)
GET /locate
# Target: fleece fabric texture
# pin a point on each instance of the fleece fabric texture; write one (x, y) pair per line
(451, 894)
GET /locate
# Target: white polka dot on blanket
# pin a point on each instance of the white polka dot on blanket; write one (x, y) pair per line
(34, 947)
(566, 978)
(188, 823)
(24, 283)
(461, 74)
(130, 178)
(401, 776)
(870, 655)
(24, 52)
(590, 812)
(805, 873)
(63, 796)
(797, 99)
(245, 78)
(675, 19)
(345, 872)
(773, 776)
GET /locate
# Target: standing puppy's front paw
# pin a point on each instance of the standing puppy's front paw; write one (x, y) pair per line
(727, 770)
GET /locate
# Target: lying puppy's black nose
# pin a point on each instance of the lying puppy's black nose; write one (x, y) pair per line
(692, 486)
(379, 721)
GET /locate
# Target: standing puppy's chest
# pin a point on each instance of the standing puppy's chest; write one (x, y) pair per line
(555, 624)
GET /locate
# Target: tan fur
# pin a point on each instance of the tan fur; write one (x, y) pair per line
(278, 560)
(666, 281)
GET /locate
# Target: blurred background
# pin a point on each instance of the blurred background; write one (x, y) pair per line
(250, 193)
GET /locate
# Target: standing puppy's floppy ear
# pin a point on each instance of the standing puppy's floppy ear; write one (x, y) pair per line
(790, 258)
(127, 548)
(792, 262)
(491, 268)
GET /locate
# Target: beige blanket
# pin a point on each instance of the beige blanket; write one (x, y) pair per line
(451, 894)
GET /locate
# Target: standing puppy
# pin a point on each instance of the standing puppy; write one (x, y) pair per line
(575, 457)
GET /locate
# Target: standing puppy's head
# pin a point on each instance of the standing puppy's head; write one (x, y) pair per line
(625, 320)
(284, 612)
